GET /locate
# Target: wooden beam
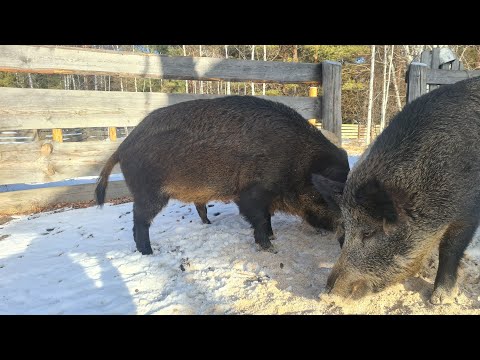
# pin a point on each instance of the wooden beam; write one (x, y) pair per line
(332, 97)
(64, 60)
(44, 161)
(435, 66)
(25, 201)
(417, 81)
(444, 77)
(46, 109)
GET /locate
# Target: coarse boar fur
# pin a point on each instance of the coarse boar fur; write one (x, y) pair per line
(416, 191)
(258, 153)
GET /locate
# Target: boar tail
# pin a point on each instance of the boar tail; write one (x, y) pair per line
(103, 179)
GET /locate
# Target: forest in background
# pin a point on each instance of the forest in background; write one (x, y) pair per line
(387, 80)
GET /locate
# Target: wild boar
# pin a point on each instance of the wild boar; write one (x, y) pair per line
(416, 190)
(258, 153)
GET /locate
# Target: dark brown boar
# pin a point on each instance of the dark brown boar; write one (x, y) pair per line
(417, 190)
(258, 153)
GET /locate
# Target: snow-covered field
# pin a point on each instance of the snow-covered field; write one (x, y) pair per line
(84, 261)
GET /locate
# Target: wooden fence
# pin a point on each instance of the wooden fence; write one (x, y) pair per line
(432, 69)
(52, 159)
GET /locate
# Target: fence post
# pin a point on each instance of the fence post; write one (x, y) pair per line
(331, 108)
(417, 81)
(312, 92)
(112, 133)
(57, 135)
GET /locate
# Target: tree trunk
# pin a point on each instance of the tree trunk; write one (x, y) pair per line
(226, 57)
(264, 59)
(186, 81)
(135, 79)
(384, 95)
(30, 80)
(370, 96)
(201, 82)
(382, 124)
(295, 53)
(253, 58)
(395, 86)
(121, 81)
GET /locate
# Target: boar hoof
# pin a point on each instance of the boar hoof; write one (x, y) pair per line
(322, 232)
(268, 247)
(146, 251)
(442, 296)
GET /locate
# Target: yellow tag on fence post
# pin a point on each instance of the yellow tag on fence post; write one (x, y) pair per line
(313, 92)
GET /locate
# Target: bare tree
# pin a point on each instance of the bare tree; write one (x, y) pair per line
(201, 82)
(135, 79)
(253, 58)
(264, 59)
(121, 80)
(387, 88)
(370, 96)
(226, 57)
(186, 81)
(383, 109)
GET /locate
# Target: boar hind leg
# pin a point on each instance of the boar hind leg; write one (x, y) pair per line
(269, 227)
(144, 210)
(254, 204)
(202, 212)
(452, 247)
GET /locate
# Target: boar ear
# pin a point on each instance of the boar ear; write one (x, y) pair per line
(378, 202)
(330, 190)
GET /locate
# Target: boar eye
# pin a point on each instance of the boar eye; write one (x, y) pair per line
(367, 234)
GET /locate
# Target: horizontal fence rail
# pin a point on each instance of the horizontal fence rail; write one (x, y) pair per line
(59, 60)
(45, 108)
(445, 77)
(37, 199)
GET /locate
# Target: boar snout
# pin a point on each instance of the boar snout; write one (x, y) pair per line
(347, 285)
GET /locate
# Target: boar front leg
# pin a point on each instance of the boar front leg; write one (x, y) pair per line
(452, 247)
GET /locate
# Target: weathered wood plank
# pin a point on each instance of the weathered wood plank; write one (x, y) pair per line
(426, 57)
(435, 58)
(63, 60)
(45, 161)
(25, 201)
(435, 65)
(455, 64)
(46, 109)
(445, 66)
(417, 81)
(332, 97)
(443, 77)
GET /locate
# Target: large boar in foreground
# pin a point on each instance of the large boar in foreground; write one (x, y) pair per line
(258, 153)
(416, 191)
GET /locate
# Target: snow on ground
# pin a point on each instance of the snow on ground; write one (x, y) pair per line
(84, 262)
